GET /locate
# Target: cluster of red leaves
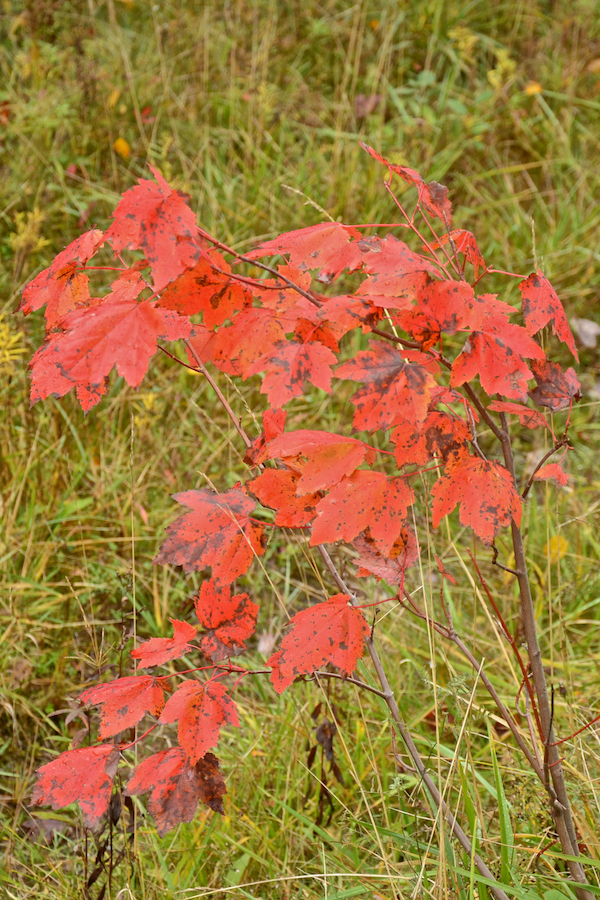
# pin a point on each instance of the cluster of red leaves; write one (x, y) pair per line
(330, 485)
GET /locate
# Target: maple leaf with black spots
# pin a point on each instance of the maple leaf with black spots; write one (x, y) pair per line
(229, 620)
(273, 425)
(125, 702)
(394, 389)
(207, 289)
(85, 776)
(200, 710)
(288, 365)
(486, 493)
(364, 499)
(278, 489)
(330, 632)
(530, 418)
(497, 354)
(541, 306)
(62, 287)
(555, 389)
(156, 219)
(327, 246)
(395, 273)
(403, 554)
(176, 786)
(236, 347)
(217, 532)
(157, 651)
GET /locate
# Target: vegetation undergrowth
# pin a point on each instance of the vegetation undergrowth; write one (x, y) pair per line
(231, 103)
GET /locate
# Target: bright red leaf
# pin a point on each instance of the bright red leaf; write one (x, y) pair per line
(497, 354)
(530, 418)
(326, 247)
(541, 306)
(84, 776)
(277, 489)
(176, 786)
(116, 333)
(328, 456)
(555, 389)
(288, 365)
(154, 218)
(60, 286)
(273, 425)
(201, 710)
(396, 273)
(486, 493)
(229, 620)
(218, 533)
(394, 389)
(125, 702)
(157, 651)
(237, 346)
(207, 289)
(553, 471)
(365, 499)
(330, 632)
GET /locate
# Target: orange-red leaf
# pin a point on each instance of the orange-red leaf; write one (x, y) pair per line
(403, 554)
(329, 456)
(326, 246)
(396, 273)
(273, 425)
(125, 702)
(541, 306)
(278, 489)
(207, 289)
(330, 632)
(486, 493)
(433, 196)
(530, 418)
(394, 389)
(228, 620)
(84, 776)
(288, 365)
(553, 471)
(154, 218)
(157, 651)
(218, 533)
(201, 710)
(176, 786)
(237, 346)
(365, 499)
(60, 286)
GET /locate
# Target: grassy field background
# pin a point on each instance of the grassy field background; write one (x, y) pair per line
(233, 102)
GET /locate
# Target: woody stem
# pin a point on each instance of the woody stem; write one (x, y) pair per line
(560, 806)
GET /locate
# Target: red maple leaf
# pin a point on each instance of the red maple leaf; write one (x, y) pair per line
(229, 620)
(218, 533)
(541, 306)
(154, 218)
(403, 554)
(394, 389)
(555, 472)
(433, 196)
(465, 243)
(530, 418)
(441, 434)
(204, 289)
(273, 424)
(555, 389)
(116, 333)
(201, 710)
(157, 651)
(288, 365)
(277, 489)
(497, 354)
(125, 702)
(486, 493)
(330, 632)
(176, 786)
(61, 287)
(364, 499)
(237, 346)
(84, 776)
(329, 456)
(326, 246)
(396, 273)
(443, 307)
(347, 311)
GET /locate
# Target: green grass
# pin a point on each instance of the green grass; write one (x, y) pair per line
(243, 99)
